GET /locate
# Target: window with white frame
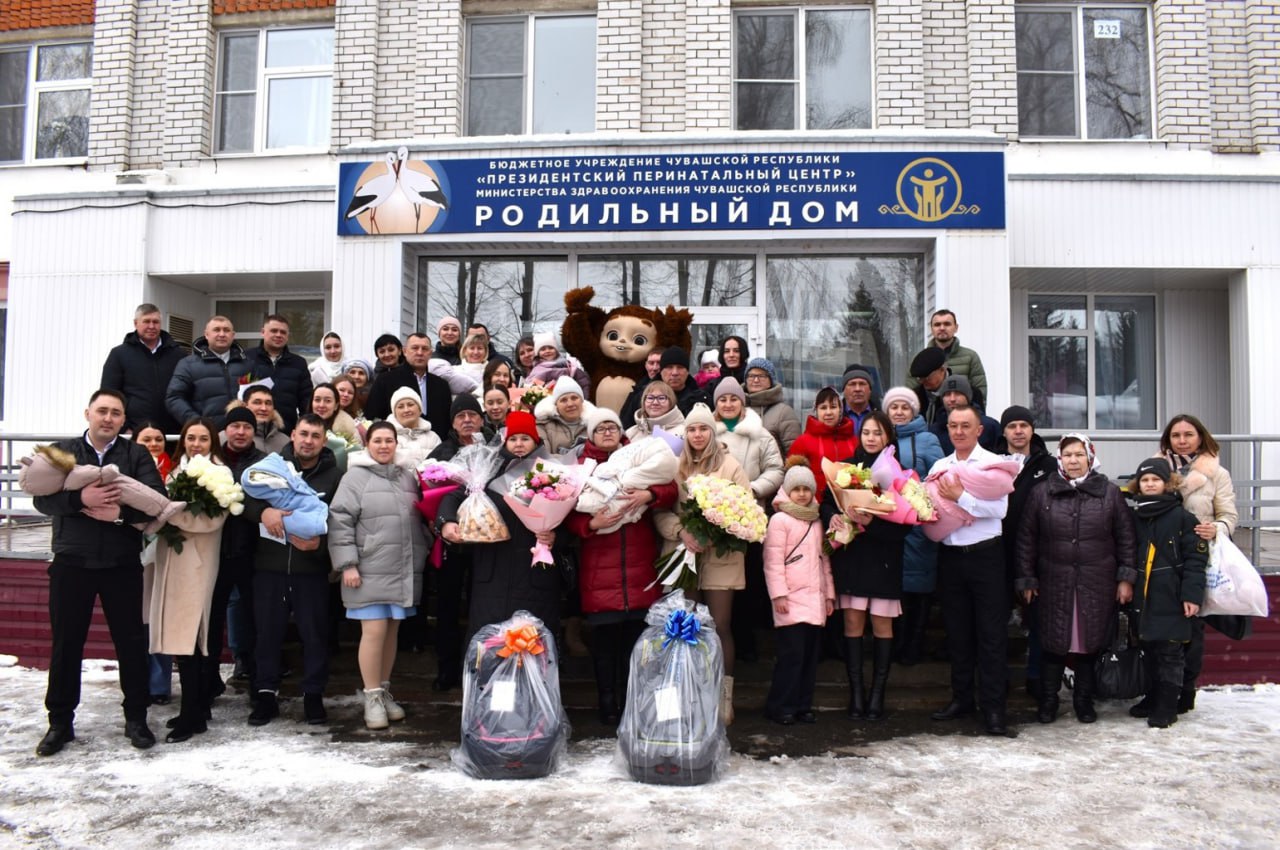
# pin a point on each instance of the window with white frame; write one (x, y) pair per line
(1084, 72)
(531, 74)
(274, 90)
(802, 69)
(44, 101)
(305, 315)
(1091, 361)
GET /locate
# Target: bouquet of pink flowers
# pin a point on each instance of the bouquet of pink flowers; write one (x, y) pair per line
(720, 515)
(527, 398)
(982, 481)
(858, 497)
(437, 479)
(912, 504)
(542, 497)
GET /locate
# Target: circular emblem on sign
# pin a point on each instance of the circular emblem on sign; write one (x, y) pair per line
(929, 189)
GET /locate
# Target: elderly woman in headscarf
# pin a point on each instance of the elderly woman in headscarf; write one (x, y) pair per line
(1075, 553)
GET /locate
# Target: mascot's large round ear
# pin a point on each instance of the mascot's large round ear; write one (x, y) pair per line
(673, 328)
(582, 325)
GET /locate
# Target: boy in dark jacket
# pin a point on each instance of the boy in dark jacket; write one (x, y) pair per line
(1171, 558)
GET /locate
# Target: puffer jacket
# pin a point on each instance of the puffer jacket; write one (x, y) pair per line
(918, 449)
(143, 377)
(1074, 545)
(374, 526)
(614, 569)
(755, 450)
(796, 567)
(557, 435)
(202, 384)
(417, 442)
(833, 442)
(1171, 560)
(290, 381)
(1207, 492)
(779, 418)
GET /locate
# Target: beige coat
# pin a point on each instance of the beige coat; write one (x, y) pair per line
(557, 435)
(756, 451)
(1208, 493)
(672, 422)
(715, 572)
(182, 589)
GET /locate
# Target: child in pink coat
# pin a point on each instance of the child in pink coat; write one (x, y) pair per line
(798, 575)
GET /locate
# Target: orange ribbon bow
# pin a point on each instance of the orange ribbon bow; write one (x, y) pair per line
(521, 640)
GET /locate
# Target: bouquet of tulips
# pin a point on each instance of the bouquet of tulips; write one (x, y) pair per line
(208, 488)
(720, 515)
(857, 496)
(542, 497)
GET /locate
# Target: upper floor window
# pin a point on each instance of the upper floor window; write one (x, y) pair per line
(1084, 72)
(532, 74)
(802, 69)
(274, 90)
(44, 101)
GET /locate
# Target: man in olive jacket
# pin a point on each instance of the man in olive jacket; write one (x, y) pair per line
(97, 558)
(291, 574)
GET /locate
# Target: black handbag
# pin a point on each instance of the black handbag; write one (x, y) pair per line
(1121, 670)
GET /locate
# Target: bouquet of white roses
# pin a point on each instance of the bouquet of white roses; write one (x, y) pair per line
(208, 488)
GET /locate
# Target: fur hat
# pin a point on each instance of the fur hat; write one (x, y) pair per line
(240, 414)
(464, 401)
(730, 386)
(798, 475)
(446, 321)
(522, 422)
(565, 386)
(901, 394)
(1157, 466)
(764, 365)
(403, 393)
(929, 360)
(700, 415)
(542, 340)
(675, 356)
(956, 384)
(710, 357)
(600, 415)
(1017, 413)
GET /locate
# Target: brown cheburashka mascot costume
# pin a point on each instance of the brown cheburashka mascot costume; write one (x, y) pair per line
(612, 346)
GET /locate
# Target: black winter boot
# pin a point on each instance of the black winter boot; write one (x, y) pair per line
(606, 688)
(1082, 694)
(883, 658)
(1050, 684)
(1165, 711)
(853, 666)
(193, 679)
(1187, 696)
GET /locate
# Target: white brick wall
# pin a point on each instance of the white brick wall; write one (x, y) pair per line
(993, 67)
(1230, 127)
(619, 67)
(438, 55)
(1262, 34)
(945, 65)
(188, 81)
(111, 112)
(355, 58)
(900, 61)
(1182, 71)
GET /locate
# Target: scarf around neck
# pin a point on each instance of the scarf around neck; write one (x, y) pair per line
(808, 513)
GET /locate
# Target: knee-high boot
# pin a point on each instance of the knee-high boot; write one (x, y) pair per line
(1082, 695)
(853, 666)
(193, 679)
(1050, 682)
(883, 657)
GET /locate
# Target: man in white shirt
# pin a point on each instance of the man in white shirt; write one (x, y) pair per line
(972, 585)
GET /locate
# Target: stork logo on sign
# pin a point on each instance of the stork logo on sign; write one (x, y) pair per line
(397, 195)
(929, 190)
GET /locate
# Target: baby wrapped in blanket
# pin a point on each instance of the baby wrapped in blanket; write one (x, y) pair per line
(276, 482)
(636, 466)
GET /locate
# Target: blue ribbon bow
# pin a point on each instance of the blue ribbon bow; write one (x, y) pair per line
(682, 625)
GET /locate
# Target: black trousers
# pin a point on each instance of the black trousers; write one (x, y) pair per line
(795, 671)
(72, 590)
(611, 645)
(233, 573)
(275, 595)
(752, 609)
(1166, 662)
(975, 608)
(450, 581)
(1194, 656)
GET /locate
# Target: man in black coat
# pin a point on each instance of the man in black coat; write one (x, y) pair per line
(140, 369)
(1020, 441)
(207, 379)
(956, 392)
(413, 374)
(96, 558)
(290, 375)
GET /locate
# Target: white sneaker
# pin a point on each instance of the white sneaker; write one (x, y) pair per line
(375, 713)
(395, 711)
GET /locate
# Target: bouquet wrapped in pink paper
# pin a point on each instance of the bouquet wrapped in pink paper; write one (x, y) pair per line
(542, 497)
(527, 397)
(912, 504)
(982, 481)
(437, 479)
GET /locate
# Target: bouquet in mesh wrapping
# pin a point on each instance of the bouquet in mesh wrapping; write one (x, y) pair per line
(912, 504)
(513, 725)
(542, 497)
(858, 497)
(671, 732)
(720, 515)
(982, 481)
(437, 479)
(478, 517)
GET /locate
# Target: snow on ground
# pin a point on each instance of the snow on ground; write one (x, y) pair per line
(1212, 781)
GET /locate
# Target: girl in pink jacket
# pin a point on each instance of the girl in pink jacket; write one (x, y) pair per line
(798, 576)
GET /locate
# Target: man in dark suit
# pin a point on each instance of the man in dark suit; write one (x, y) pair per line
(433, 391)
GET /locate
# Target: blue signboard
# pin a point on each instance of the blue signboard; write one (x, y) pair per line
(667, 192)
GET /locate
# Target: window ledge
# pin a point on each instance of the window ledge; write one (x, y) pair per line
(68, 162)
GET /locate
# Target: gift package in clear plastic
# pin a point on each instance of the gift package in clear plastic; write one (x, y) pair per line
(478, 518)
(671, 731)
(513, 724)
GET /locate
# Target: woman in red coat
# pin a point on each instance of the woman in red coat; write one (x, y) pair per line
(614, 569)
(828, 433)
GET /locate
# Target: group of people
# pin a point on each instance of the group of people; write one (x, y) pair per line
(357, 432)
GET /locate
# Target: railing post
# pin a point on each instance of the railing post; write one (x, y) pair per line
(1255, 532)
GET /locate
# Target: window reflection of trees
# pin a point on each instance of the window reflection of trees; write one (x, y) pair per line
(689, 281)
(1119, 100)
(510, 296)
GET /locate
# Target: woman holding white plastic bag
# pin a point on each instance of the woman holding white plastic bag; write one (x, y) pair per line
(1207, 492)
